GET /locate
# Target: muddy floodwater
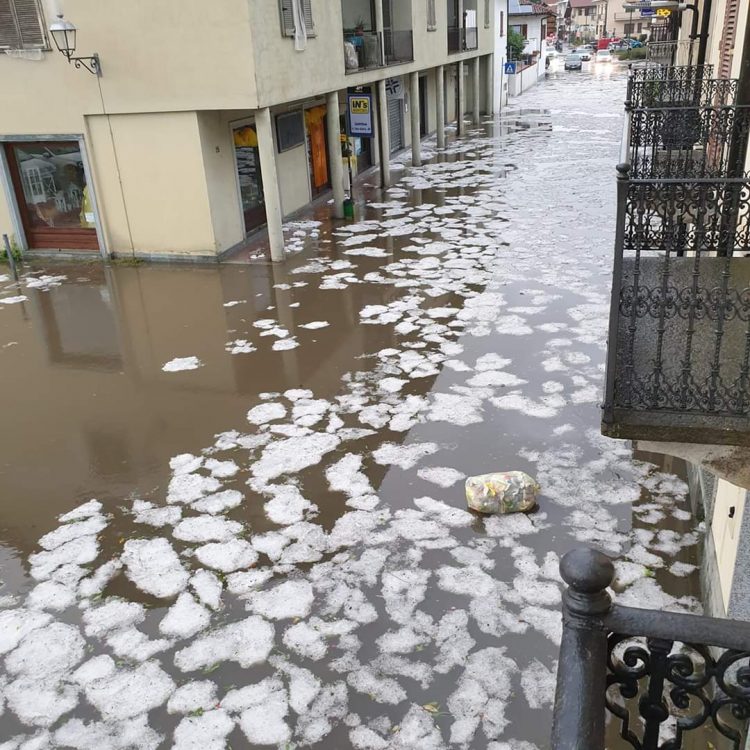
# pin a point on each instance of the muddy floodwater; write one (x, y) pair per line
(232, 497)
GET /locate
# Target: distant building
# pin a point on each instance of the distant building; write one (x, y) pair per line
(210, 122)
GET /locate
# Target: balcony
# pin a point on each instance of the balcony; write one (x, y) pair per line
(462, 39)
(399, 47)
(678, 364)
(362, 51)
(656, 679)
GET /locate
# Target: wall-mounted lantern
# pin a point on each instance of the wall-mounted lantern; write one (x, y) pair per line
(64, 34)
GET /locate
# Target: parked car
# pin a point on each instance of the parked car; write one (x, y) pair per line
(573, 62)
(604, 56)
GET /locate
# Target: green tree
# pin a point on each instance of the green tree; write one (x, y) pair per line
(516, 43)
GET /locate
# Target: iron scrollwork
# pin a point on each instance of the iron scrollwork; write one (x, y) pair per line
(660, 691)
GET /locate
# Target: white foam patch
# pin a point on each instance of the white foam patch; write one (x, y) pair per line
(185, 618)
(442, 476)
(187, 488)
(538, 683)
(193, 696)
(218, 503)
(287, 600)
(154, 567)
(208, 588)
(206, 529)
(80, 551)
(265, 707)
(130, 692)
(180, 364)
(403, 456)
(247, 642)
(267, 412)
(226, 557)
(315, 325)
(113, 614)
(292, 455)
(119, 735)
(47, 653)
(205, 732)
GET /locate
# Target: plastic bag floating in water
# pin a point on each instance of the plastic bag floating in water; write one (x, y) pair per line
(502, 492)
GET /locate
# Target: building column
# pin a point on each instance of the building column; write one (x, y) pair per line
(379, 28)
(461, 97)
(270, 177)
(440, 105)
(414, 107)
(489, 81)
(476, 116)
(384, 137)
(335, 163)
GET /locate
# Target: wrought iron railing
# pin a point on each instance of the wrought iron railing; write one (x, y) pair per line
(678, 364)
(656, 679)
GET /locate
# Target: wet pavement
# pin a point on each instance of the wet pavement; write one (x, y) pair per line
(233, 508)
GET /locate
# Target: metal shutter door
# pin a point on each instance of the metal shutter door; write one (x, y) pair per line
(395, 129)
(728, 37)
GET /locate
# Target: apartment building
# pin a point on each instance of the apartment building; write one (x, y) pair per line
(196, 123)
(678, 373)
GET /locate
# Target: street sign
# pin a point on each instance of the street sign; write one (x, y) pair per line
(648, 12)
(663, 12)
(510, 68)
(394, 89)
(359, 115)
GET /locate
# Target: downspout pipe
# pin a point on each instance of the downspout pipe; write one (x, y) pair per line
(705, 22)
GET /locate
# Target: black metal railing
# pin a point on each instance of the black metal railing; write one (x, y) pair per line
(655, 679)
(462, 39)
(399, 47)
(362, 51)
(678, 364)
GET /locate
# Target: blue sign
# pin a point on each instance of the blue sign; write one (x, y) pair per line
(510, 68)
(359, 111)
(647, 12)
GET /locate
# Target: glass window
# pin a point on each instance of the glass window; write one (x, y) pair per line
(54, 186)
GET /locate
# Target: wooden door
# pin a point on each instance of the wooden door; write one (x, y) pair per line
(53, 198)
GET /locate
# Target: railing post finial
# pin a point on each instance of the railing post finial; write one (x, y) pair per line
(623, 170)
(588, 573)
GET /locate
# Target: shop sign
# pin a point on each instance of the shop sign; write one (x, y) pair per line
(359, 111)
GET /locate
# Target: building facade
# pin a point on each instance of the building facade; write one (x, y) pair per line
(696, 405)
(207, 124)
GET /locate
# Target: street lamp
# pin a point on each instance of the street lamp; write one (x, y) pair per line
(64, 35)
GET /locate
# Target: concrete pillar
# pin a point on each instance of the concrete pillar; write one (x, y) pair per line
(476, 116)
(461, 97)
(384, 137)
(335, 163)
(414, 105)
(489, 83)
(270, 177)
(379, 27)
(440, 105)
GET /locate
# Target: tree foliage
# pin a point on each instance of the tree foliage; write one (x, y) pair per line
(516, 43)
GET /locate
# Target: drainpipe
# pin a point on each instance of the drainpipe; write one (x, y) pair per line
(705, 22)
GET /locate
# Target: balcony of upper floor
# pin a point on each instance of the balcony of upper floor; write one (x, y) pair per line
(463, 30)
(678, 363)
(376, 33)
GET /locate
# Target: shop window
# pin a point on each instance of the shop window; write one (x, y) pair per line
(22, 25)
(287, 16)
(431, 16)
(290, 131)
(53, 197)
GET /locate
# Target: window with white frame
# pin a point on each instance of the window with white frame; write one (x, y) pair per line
(22, 25)
(304, 8)
(431, 16)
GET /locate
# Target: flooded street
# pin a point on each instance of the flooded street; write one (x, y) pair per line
(233, 509)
